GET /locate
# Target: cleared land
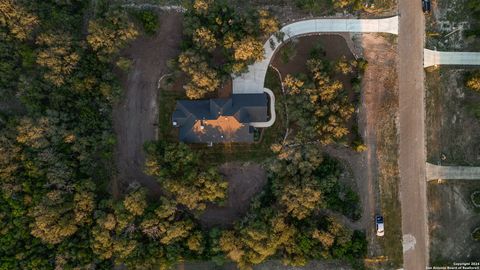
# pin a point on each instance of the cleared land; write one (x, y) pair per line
(452, 217)
(135, 116)
(244, 181)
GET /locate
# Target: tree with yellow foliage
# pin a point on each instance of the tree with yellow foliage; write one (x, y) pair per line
(262, 237)
(57, 56)
(106, 36)
(473, 82)
(18, 21)
(205, 39)
(136, 202)
(53, 219)
(202, 78)
(163, 225)
(179, 170)
(320, 107)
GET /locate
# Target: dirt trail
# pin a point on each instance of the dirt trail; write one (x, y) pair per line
(136, 115)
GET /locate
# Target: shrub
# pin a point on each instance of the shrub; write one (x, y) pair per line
(476, 234)
(475, 197)
(148, 20)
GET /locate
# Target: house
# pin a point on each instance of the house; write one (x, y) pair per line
(220, 120)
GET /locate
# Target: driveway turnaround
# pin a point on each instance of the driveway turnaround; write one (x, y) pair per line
(434, 58)
(412, 156)
(270, 122)
(452, 172)
(253, 81)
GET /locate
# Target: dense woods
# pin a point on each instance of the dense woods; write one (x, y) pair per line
(56, 149)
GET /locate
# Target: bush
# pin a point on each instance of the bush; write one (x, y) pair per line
(148, 19)
(475, 197)
(476, 234)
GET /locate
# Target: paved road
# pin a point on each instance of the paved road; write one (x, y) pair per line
(432, 58)
(452, 172)
(254, 80)
(412, 160)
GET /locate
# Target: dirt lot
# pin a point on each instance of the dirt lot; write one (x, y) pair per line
(135, 116)
(244, 181)
(334, 46)
(453, 132)
(452, 217)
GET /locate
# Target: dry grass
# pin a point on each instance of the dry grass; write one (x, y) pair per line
(389, 179)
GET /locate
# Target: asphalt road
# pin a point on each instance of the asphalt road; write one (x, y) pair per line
(412, 160)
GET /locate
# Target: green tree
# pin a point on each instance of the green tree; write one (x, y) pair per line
(179, 170)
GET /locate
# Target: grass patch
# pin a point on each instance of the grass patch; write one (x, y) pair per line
(389, 180)
(387, 151)
(166, 103)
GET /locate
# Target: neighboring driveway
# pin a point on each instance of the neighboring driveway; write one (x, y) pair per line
(452, 172)
(412, 156)
(253, 81)
(434, 58)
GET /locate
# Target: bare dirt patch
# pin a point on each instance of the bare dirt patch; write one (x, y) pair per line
(244, 182)
(453, 131)
(452, 218)
(334, 46)
(135, 116)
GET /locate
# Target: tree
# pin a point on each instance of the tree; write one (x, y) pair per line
(164, 224)
(180, 172)
(300, 201)
(261, 237)
(54, 220)
(136, 202)
(321, 107)
(106, 36)
(57, 56)
(268, 24)
(205, 39)
(203, 79)
(473, 82)
(16, 19)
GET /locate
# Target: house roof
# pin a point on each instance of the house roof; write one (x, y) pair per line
(220, 120)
